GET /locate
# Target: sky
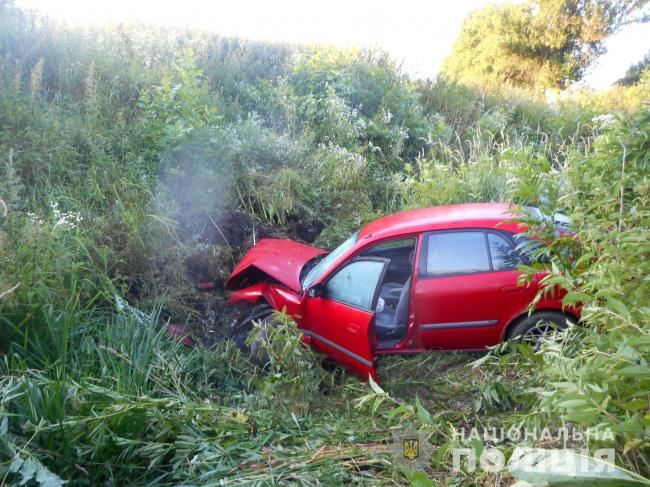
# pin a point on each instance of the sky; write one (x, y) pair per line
(417, 33)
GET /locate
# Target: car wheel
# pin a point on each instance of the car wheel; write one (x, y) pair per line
(543, 324)
(242, 325)
(242, 328)
(258, 355)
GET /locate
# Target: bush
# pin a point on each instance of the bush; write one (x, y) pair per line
(293, 375)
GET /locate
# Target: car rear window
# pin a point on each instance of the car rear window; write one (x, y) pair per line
(456, 253)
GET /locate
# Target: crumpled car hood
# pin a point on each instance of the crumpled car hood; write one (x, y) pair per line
(280, 259)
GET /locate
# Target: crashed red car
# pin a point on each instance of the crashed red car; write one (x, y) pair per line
(442, 278)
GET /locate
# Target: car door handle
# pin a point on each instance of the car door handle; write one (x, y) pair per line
(353, 328)
(513, 289)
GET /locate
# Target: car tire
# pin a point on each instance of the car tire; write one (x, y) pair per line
(531, 328)
(258, 355)
(242, 325)
(242, 328)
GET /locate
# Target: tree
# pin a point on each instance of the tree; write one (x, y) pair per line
(537, 44)
(635, 72)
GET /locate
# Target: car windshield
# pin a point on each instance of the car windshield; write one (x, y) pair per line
(328, 260)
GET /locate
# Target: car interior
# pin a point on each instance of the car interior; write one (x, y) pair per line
(392, 312)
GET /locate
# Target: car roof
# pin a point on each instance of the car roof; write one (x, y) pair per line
(472, 215)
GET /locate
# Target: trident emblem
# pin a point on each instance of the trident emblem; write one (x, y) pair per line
(411, 448)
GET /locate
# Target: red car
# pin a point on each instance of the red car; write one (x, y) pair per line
(440, 278)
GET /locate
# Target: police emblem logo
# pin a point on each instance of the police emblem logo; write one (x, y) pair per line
(411, 448)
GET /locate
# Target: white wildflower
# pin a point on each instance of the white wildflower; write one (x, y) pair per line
(603, 120)
(64, 219)
(35, 219)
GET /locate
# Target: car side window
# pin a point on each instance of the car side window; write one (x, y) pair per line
(451, 253)
(356, 283)
(503, 254)
(530, 249)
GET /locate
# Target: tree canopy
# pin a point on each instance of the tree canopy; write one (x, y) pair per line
(635, 72)
(537, 44)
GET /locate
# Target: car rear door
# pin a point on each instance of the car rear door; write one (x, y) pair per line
(339, 314)
(467, 289)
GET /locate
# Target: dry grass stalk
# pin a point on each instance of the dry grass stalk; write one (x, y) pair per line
(9, 291)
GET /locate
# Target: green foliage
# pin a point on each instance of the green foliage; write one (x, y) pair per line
(537, 44)
(181, 104)
(597, 377)
(293, 375)
(275, 198)
(610, 279)
(431, 184)
(537, 466)
(635, 72)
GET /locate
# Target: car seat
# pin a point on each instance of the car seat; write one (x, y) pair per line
(391, 322)
(390, 292)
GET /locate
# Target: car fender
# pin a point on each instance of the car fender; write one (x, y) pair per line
(252, 294)
(277, 296)
(544, 305)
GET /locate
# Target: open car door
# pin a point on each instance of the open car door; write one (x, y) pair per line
(340, 314)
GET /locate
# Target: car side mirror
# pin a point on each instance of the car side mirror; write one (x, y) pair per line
(316, 291)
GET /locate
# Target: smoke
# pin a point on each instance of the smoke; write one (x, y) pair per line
(201, 180)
